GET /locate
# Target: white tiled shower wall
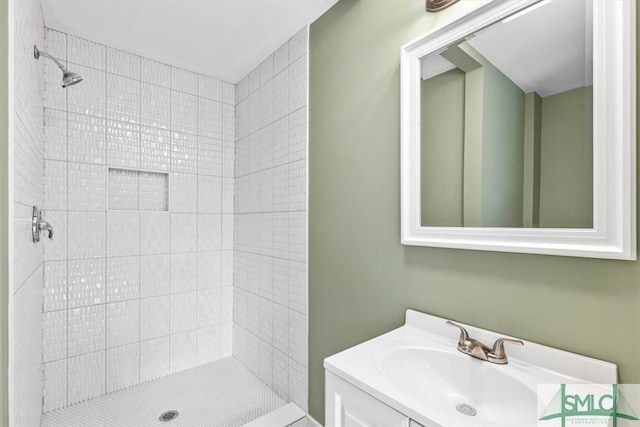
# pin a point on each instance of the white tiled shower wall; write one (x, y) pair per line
(26, 287)
(270, 245)
(134, 291)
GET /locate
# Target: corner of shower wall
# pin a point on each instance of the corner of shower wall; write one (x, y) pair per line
(270, 240)
(26, 179)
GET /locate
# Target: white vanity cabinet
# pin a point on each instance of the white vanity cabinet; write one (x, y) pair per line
(348, 406)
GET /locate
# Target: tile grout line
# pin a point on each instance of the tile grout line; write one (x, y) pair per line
(169, 204)
(106, 225)
(197, 206)
(140, 237)
(66, 94)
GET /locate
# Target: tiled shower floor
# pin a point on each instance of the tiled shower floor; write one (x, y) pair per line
(220, 394)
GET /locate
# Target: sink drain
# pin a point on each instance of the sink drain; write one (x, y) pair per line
(168, 416)
(466, 409)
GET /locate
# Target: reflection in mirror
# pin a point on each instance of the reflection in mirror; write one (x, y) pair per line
(507, 123)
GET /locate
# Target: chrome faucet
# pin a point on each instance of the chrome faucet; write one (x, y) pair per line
(38, 224)
(475, 348)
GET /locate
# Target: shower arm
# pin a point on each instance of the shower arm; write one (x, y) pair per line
(37, 53)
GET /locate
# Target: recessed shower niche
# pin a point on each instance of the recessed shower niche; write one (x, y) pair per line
(135, 190)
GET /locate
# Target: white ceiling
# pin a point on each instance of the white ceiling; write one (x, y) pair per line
(548, 50)
(225, 39)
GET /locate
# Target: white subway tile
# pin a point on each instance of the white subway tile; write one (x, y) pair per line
(54, 385)
(155, 72)
(55, 96)
(123, 99)
(56, 249)
(123, 144)
(281, 58)
(55, 185)
(184, 81)
(210, 88)
(123, 323)
(184, 193)
(208, 344)
(153, 108)
(123, 367)
(184, 232)
(86, 378)
(209, 118)
(86, 237)
(184, 269)
(123, 233)
(85, 52)
(87, 189)
(155, 275)
(184, 112)
(209, 307)
(154, 317)
(184, 153)
(55, 286)
(86, 139)
(54, 335)
(88, 98)
(183, 351)
(229, 93)
(157, 234)
(55, 134)
(56, 44)
(123, 278)
(123, 63)
(298, 45)
(209, 232)
(209, 194)
(155, 149)
(154, 358)
(209, 272)
(183, 312)
(209, 156)
(87, 282)
(86, 330)
(226, 346)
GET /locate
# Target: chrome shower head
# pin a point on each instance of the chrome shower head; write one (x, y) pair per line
(68, 78)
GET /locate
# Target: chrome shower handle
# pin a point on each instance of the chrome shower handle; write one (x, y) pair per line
(38, 224)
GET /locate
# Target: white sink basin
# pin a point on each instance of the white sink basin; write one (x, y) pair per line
(418, 370)
(460, 386)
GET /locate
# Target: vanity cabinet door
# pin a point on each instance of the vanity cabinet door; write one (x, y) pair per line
(348, 406)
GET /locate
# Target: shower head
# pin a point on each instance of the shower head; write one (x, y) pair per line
(68, 78)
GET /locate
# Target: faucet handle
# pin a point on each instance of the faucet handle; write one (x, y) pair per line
(464, 335)
(497, 354)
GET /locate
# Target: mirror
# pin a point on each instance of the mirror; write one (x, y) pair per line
(509, 140)
(506, 123)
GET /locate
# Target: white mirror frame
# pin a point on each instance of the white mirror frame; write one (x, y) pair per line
(614, 156)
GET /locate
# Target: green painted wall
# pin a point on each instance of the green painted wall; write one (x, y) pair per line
(531, 173)
(502, 149)
(566, 159)
(4, 212)
(472, 130)
(361, 279)
(442, 149)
